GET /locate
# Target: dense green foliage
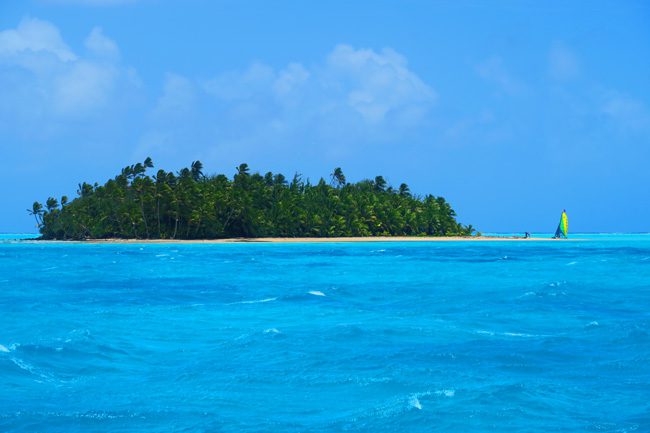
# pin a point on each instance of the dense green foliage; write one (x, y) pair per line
(189, 205)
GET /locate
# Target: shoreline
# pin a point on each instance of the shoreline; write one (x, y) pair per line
(309, 240)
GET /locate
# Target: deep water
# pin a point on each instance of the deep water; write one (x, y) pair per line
(368, 337)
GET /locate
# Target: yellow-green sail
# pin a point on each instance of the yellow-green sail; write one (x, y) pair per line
(563, 227)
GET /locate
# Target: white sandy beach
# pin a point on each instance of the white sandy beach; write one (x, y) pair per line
(322, 240)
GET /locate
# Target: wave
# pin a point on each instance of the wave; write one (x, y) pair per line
(508, 334)
(256, 301)
(29, 368)
(518, 334)
(446, 392)
(415, 402)
(316, 293)
(414, 399)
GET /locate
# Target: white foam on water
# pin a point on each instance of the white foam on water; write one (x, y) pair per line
(415, 402)
(517, 334)
(257, 301)
(30, 368)
(272, 331)
(571, 263)
(593, 323)
(162, 255)
(414, 399)
(316, 293)
(4, 349)
(507, 334)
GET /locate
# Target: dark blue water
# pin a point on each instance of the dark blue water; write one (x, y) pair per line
(368, 337)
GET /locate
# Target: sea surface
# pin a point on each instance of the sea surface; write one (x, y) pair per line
(359, 337)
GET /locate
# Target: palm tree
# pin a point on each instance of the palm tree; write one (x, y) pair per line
(404, 190)
(338, 177)
(243, 169)
(196, 170)
(279, 179)
(37, 211)
(380, 183)
(86, 189)
(51, 204)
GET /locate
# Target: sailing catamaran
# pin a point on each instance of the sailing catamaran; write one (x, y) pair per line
(563, 227)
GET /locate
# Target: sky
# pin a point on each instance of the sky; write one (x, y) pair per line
(511, 110)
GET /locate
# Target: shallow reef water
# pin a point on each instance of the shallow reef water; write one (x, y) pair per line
(369, 337)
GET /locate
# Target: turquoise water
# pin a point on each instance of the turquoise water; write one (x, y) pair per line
(368, 337)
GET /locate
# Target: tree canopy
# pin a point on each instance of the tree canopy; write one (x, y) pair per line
(190, 205)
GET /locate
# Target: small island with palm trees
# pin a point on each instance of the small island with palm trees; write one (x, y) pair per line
(189, 205)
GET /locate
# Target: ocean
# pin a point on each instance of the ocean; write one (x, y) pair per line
(359, 337)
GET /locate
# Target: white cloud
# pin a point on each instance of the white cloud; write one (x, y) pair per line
(45, 82)
(290, 83)
(86, 86)
(377, 83)
(34, 36)
(90, 2)
(562, 63)
(352, 98)
(630, 115)
(375, 86)
(175, 115)
(495, 71)
(237, 86)
(98, 44)
(179, 96)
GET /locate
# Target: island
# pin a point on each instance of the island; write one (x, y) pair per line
(188, 205)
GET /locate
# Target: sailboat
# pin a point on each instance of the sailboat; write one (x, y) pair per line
(563, 227)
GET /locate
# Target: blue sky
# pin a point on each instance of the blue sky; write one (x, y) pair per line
(511, 110)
